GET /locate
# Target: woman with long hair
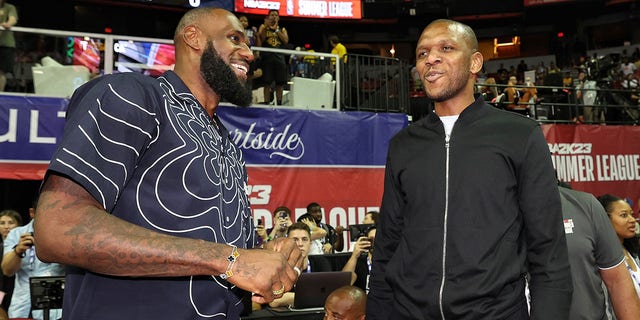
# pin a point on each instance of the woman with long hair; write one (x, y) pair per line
(621, 216)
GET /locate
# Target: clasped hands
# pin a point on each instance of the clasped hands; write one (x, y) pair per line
(270, 272)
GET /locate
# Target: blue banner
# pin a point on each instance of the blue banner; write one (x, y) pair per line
(286, 136)
(31, 126)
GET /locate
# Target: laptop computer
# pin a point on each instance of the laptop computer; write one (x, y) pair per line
(313, 288)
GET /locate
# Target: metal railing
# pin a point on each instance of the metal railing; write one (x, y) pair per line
(378, 84)
(106, 53)
(597, 104)
(367, 83)
(363, 83)
(308, 65)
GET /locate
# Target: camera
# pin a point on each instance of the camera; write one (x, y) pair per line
(46, 292)
(359, 230)
(282, 215)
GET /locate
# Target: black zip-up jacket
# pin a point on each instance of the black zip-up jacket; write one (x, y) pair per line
(464, 219)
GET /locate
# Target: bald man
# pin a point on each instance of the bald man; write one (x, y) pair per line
(144, 198)
(346, 303)
(470, 204)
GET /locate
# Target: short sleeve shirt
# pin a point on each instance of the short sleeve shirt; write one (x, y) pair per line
(593, 245)
(6, 36)
(30, 266)
(151, 155)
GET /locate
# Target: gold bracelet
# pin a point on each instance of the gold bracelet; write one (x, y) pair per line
(232, 260)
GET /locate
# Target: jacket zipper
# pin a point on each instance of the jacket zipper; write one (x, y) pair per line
(446, 213)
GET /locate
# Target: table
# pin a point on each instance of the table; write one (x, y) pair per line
(268, 314)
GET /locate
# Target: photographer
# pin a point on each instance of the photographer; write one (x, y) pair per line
(20, 260)
(281, 222)
(359, 264)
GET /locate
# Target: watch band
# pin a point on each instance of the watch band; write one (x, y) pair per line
(21, 255)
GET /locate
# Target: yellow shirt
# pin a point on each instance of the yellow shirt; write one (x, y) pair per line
(341, 51)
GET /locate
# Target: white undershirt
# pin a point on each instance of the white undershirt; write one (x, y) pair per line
(448, 122)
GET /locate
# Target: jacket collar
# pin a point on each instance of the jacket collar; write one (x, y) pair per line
(474, 111)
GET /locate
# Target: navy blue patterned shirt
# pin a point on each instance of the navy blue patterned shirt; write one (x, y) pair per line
(151, 155)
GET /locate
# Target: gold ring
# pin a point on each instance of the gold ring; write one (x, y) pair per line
(297, 270)
(279, 292)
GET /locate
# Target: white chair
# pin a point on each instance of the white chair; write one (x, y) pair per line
(313, 93)
(53, 79)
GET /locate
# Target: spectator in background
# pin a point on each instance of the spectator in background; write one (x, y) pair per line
(582, 112)
(553, 68)
(513, 72)
(488, 90)
(627, 67)
(593, 246)
(250, 32)
(346, 303)
(467, 211)
(255, 71)
(503, 76)
(567, 79)
(20, 259)
(513, 93)
(529, 96)
(541, 72)
(338, 48)
(371, 217)
(630, 81)
(281, 222)
(359, 263)
(9, 220)
(274, 65)
(334, 241)
(310, 63)
(624, 224)
(522, 67)
(8, 19)
(318, 234)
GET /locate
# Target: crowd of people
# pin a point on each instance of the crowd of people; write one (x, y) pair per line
(272, 71)
(594, 89)
(472, 223)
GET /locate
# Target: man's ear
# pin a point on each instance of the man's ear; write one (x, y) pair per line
(191, 37)
(476, 62)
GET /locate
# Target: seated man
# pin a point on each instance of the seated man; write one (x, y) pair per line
(346, 303)
(281, 222)
(334, 241)
(513, 94)
(301, 235)
(370, 217)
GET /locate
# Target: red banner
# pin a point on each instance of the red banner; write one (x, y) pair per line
(345, 193)
(597, 159)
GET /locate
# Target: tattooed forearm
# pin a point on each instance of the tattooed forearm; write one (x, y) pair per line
(78, 231)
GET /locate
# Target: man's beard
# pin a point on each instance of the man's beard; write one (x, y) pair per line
(456, 85)
(221, 78)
